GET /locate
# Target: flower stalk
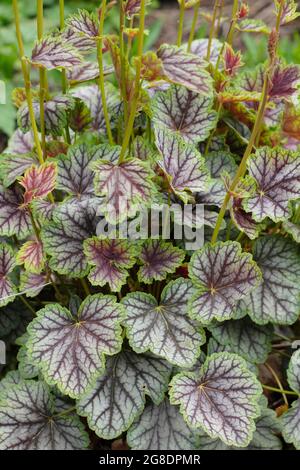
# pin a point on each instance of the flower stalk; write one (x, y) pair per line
(194, 24)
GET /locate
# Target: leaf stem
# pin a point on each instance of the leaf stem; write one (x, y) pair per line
(122, 60)
(229, 37)
(129, 127)
(43, 75)
(212, 30)
(101, 72)
(85, 286)
(274, 389)
(181, 21)
(64, 412)
(194, 24)
(278, 383)
(27, 304)
(64, 80)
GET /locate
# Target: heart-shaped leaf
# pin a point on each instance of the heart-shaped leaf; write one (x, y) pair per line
(30, 420)
(221, 399)
(31, 254)
(277, 176)
(56, 114)
(20, 143)
(14, 217)
(13, 166)
(285, 81)
(63, 238)
(276, 300)
(165, 328)
(161, 428)
(124, 186)
(111, 260)
(158, 259)
(7, 264)
(38, 181)
(247, 339)
(291, 419)
(119, 398)
(185, 69)
(69, 347)
(222, 275)
(184, 112)
(52, 53)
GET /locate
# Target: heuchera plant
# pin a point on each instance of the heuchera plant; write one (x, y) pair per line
(146, 340)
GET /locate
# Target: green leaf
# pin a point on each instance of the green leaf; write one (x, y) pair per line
(52, 53)
(69, 347)
(276, 300)
(246, 338)
(30, 420)
(221, 399)
(119, 398)
(291, 419)
(161, 428)
(158, 259)
(222, 274)
(165, 328)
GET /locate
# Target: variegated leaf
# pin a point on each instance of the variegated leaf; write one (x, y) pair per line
(38, 181)
(31, 254)
(199, 47)
(14, 217)
(291, 419)
(7, 264)
(13, 166)
(53, 53)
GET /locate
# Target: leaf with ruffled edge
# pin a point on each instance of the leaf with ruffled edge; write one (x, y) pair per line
(111, 260)
(82, 44)
(7, 264)
(63, 238)
(30, 420)
(291, 419)
(276, 300)
(83, 72)
(221, 399)
(246, 338)
(56, 111)
(184, 68)
(14, 166)
(124, 186)
(32, 255)
(165, 328)
(161, 428)
(14, 217)
(252, 25)
(222, 275)
(70, 348)
(158, 259)
(292, 229)
(26, 368)
(182, 163)
(31, 284)
(277, 176)
(199, 47)
(52, 53)
(184, 112)
(119, 398)
(20, 143)
(84, 23)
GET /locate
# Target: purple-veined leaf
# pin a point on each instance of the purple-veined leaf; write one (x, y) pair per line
(199, 47)
(217, 163)
(161, 428)
(289, 12)
(232, 61)
(124, 186)
(63, 238)
(110, 259)
(221, 399)
(91, 96)
(80, 118)
(83, 44)
(246, 338)
(84, 23)
(54, 148)
(53, 53)
(142, 150)
(83, 72)
(31, 284)
(252, 25)
(182, 163)
(38, 181)
(20, 143)
(13, 166)
(184, 112)
(222, 275)
(214, 347)
(292, 229)
(7, 264)
(119, 398)
(31, 254)
(277, 176)
(276, 300)
(158, 258)
(56, 112)
(290, 420)
(285, 81)
(185, 69)
(164, 329)
(14, 217)
(244, 220)
(30, 420)
(132, 7)
(70, 347)
(104, 152)
(43, 209)
(26, 369)
(74, 174)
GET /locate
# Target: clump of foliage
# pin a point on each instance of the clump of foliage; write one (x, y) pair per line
(111, 338)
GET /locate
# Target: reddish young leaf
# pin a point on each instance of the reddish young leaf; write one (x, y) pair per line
(285, 81)
(32, 256)
(232, 61)
(39, 181)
